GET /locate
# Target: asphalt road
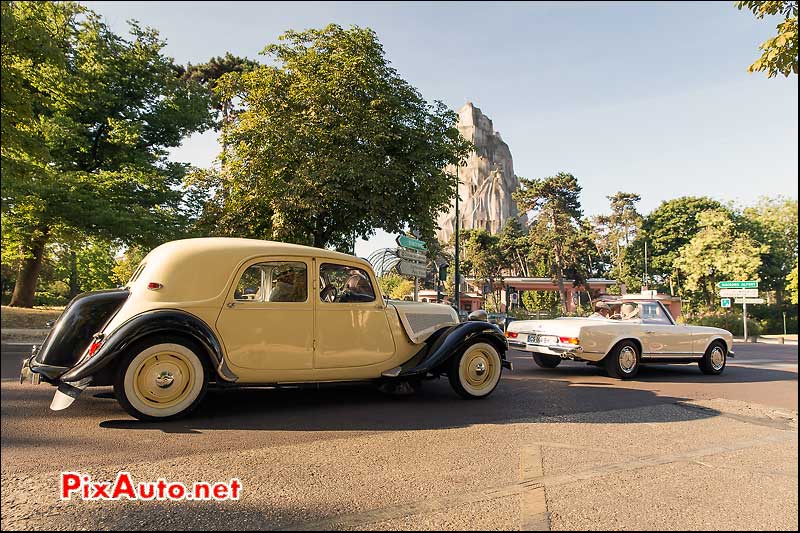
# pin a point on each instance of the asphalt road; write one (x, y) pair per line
(351, 457)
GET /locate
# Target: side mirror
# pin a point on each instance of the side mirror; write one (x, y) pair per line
(479, 315)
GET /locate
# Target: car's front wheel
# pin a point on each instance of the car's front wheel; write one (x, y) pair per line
(476, 371)
(714, 360)
(546, 361)
(161, 379)
(623, 360)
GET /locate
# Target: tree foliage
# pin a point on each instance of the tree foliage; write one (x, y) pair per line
(484, 261)
(208, 75)
(614, 233)
(105, 111)
(773, 222)
(666, 230)
(554, 203)
(396, 286)
(791, 285)
(716, 253)
(332, 144)
(780, 52)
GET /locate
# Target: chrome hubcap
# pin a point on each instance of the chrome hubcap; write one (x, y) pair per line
(627, 359)
(165, 379)
(717, 358)
(478, 369)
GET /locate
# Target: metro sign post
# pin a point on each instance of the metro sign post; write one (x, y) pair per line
(744, 292)
(411, 252)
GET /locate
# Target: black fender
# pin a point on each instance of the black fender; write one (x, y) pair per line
(169, 321)
(450, 342)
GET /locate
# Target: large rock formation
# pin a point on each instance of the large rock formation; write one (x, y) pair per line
(487, 180)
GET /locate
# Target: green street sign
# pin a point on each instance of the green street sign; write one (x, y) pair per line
(410, 242)
(725, 302)
(737, 284)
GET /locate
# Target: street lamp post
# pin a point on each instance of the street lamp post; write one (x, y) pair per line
(457, 296)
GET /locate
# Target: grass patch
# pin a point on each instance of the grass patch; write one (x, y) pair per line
(22, 318)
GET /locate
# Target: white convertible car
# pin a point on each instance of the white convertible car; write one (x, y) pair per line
(637, 332)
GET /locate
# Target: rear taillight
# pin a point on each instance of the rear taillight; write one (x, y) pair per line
(97, 342)
(154, 286)
(569, 340)
(512, 334)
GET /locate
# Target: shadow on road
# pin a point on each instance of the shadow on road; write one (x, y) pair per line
(671, 373)
(361, 408)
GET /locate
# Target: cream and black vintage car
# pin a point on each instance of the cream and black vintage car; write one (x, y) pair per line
(242, 312)
(636, 331)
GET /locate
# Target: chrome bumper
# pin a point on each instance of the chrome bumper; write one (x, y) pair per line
(549, 349)
(26, 375)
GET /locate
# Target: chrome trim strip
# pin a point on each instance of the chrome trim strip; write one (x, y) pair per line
(680, 355)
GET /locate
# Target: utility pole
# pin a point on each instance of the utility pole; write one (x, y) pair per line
(645, 267)
(744, 318)
(457, 280)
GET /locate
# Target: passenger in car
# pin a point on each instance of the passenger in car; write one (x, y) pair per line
(601, 310)
(285, 290)
(629, 311)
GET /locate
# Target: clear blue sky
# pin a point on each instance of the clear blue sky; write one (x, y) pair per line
(649, 98)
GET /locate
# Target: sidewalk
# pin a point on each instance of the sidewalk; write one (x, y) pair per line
(771, 339)
(20, 335)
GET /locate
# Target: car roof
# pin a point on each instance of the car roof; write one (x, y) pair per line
(200, 269)
(248, 247)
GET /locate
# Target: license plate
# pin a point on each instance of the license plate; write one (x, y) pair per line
(542, 339)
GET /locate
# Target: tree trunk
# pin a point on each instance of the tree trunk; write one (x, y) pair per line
(25, 286)
(74, 289)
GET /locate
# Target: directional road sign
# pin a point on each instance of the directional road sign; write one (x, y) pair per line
(411, 255)
(739, 293)
(750, 301)
(410, 242)
(408, 268)
(725, 302)
(737, 284)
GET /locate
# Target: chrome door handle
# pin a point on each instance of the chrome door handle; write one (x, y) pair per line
(649, 332)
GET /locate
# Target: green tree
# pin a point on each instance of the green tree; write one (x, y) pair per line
(514, 247)
(555, 204)
(83, 263)
(127, 263)
(773, 222)
(332, 143)
(112, 109)
(395, 286)
(615, 232)
(484, 261)
(717, 252)
(791, 285)
(547, 301)
(208, 75)
(666, 230)
(33, 41)
(780, 52)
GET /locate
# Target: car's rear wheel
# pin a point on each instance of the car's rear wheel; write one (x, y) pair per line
(546, 361)
(161, 379)
(476, 371)
(715, 359)
(623, 360)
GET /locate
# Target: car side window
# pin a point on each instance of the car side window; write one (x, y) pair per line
(344, 284)
(274, 281)
(653, 314)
